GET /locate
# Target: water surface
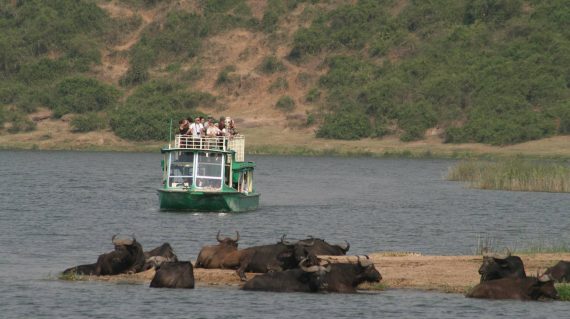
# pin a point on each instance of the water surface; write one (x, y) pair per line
(59, 209)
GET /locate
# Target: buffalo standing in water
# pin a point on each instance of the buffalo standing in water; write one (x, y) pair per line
(529, 288)
(174, 275)
(128, 257)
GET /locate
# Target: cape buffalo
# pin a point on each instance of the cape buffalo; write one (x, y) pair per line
(497, 268)
(307, 278)
(316, 246)
(159, 255)
(529, 288)
(560, 272)
(128, 256)
(174, 275)
(344, 277)
(214, 256)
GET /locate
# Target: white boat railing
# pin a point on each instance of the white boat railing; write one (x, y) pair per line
(218, 143)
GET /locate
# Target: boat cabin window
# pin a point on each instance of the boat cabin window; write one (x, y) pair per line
(181, 168)
(209, 171)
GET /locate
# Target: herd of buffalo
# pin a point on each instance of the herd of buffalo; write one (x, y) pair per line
(294, 266)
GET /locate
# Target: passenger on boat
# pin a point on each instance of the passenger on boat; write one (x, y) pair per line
(184, 127)
(222, 128)
(196, 127)
(213, 130)
(232, 129)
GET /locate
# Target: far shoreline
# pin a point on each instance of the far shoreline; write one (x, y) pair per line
(52, 135)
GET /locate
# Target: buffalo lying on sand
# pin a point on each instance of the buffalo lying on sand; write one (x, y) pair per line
(560, 272)
(265, 258)
(215, 256)
(494, 267)
(159, 255)
(174, 275)
(128, 257)
(341, 277)
(529, 288)
(306, 278)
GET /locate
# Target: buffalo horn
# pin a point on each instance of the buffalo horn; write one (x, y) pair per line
(309, 244)
(310, 268)
(545, 278)
(237, 236)
(345, 247)
(218, 237)
(286, 242)
(366, 262)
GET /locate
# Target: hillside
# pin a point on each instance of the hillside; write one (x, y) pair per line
(394, 75)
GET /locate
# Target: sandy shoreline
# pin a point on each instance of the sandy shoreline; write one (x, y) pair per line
(451, 274)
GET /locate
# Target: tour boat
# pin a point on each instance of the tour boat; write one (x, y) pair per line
(207, 175)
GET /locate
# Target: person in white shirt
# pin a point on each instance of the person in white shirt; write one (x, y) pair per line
(196, 127)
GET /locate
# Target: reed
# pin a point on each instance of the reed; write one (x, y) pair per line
(513, 175)
(563, 291)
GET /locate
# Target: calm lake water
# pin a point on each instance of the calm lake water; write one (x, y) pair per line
(59, 209)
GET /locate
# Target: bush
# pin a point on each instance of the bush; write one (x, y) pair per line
(19, 123)
(285, 103)
(146, 114)
(313, 95)
(345, 124)
(271, 64)
(87, 123)
(224, 77)
(82, 95)
(279, 84)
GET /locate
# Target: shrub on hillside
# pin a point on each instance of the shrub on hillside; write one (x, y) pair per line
(19, 122)
(271, 64)
(82, 95)
(224, 77)
(88, 122)
(147, 114)
(280, 84)
(285, 103)
(345, 124)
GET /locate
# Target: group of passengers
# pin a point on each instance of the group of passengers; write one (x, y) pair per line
(202, 128)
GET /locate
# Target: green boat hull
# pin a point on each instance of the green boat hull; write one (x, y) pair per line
(207, 202)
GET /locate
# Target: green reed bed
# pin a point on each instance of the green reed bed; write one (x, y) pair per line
(513, 175)
(563, 291)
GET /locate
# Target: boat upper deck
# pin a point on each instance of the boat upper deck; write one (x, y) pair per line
(214, 144)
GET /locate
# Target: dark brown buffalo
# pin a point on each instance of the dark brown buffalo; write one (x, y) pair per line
(159, 255)
(215, 256)
(261, 259)
(306, 278)
(316, 246)
(345, 277)
(560, 272)
(342, 278)
(128, 257)
(496, 268)
(178, 274)
(529, 288)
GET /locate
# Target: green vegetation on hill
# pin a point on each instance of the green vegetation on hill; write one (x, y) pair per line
(488, 71)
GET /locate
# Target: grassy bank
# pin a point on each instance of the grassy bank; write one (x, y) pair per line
(514, 175)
